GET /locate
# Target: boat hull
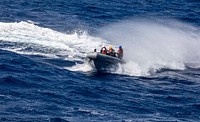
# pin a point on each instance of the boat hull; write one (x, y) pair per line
(103, 62)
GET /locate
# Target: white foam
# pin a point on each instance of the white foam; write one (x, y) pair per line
(85, 67)
(152, 45)
(51, 42)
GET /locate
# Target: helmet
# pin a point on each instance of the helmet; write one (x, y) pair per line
(120, 47)
(110, 47)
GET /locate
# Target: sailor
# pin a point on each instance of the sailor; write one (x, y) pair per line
(120, 52)
(111, 51)
(103, 50)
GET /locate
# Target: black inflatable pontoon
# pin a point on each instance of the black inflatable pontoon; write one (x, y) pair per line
(102, 61)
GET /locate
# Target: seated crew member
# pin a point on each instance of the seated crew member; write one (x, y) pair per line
(120, 52)
(111, 52)
(103, 50)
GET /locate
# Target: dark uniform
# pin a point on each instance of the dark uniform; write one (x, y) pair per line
(120, 52)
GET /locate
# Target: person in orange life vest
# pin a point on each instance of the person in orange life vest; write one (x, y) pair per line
(120, 52)
(103, 50)
(111, 51)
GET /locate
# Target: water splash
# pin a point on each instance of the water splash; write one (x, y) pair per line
(150, 45)
(85, 67)
(28, 38)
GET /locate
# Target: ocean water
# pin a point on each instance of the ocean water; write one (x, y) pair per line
(44, 76)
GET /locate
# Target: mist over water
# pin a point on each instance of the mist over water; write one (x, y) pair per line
(150, 45)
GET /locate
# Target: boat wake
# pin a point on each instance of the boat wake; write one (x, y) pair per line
(149, 46)
(28, 38)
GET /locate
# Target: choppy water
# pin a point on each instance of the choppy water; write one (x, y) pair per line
(44, 76)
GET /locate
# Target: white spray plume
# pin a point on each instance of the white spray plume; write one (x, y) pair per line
(151, 45)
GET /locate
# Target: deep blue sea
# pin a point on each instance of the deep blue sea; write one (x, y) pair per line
(44, 76)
